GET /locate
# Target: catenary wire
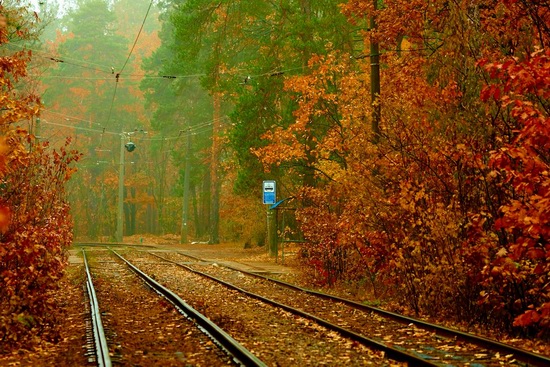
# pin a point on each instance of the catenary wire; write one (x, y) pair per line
(137, 37)
(117, 76)
(195, 129)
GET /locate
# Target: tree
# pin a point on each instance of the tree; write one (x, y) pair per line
(244, 50)
(423, 205)
(95, 88)
(517, 277)
(180, 107)
(35, 225)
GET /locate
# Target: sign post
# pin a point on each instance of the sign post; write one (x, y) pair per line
(270, 192)
(270, 198)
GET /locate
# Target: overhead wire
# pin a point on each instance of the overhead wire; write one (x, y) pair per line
(198, 128)
(108, 70)
(79, 128)
(137, 37)
(112, 102)
(274, 72)
(117, 76)
(100, 68)
(67, 117)
(121, 77)
(64, 60)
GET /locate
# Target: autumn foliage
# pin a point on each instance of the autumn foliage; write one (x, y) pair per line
(35, 226)
(518, 275)
(449, 209)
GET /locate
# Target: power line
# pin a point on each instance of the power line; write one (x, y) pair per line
(64, 60)
(272, 73)
(65, 77)
(112, 101)
(199, 128)
(79, 128)
(67, 117)
(117, 76)
(137, 37)
(135, 77)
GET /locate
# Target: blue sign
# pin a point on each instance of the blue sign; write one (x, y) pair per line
(270, 192)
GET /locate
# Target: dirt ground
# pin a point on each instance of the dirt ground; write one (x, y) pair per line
(255, 257)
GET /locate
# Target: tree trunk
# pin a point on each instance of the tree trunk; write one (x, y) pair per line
(375, 79)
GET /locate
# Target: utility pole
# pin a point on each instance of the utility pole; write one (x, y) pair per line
(129, 146)
(214, 169)
(120, 211)
(184, 228)
(37, 128)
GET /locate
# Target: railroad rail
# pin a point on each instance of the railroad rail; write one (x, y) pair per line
(100, 341)
(392, 352)
(262, 326)
(526, 357)
(231, 350)
(240, 354)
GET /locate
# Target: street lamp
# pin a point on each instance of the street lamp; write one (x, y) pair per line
(130, 146)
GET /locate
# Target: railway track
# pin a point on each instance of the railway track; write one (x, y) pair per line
(265, 329)
(127, 315)
(429, 344)
(346, 325)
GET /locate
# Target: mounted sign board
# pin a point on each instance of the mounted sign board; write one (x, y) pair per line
(270, 192)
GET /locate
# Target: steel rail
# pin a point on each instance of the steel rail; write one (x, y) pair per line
(101, 349)
(522, 355)
(391, 352)
(242, 355)
(110, 244)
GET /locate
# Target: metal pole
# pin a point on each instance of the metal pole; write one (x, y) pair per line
(215, 183)
(272, 231)
(37, 128)
(184, 216)
(283, 239)
(120, 212)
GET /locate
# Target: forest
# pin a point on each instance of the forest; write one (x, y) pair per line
(412, 136)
